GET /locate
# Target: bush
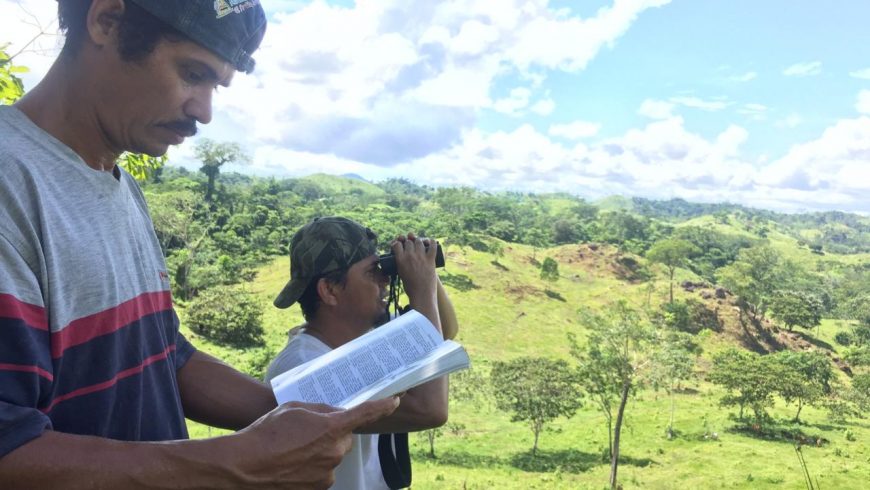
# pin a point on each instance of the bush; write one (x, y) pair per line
(844, 338)
(227, 314)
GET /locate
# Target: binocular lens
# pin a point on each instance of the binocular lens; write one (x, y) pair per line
(388, 261)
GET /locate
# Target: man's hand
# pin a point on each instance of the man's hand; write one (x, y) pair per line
(416, 265)
(298, 445)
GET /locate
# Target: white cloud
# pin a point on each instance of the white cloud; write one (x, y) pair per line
(656, 109)
(863, 105)
(837, 163)
(575, 130)
(746, 77)
(544, 107)
(757, 112)
(328, 74)
(514, 103)
(791, 121)
(697, 103)
(864, 74)
(804, 69)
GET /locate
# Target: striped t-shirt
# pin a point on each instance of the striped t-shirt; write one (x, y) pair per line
(89, 340)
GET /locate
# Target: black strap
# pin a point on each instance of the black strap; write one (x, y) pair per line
(395, 460)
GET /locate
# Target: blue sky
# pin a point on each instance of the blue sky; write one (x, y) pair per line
(763, 103)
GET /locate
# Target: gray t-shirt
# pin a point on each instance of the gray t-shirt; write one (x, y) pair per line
(360, 469)
(89, 340)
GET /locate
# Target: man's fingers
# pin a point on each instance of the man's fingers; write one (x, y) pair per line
(313, 407)
(368, 412)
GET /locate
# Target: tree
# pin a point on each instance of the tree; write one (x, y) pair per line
(213, 156)
(751, 380)
(613, 364)
(812, 378)
(227, 315)
(797, 308)
(550, 270)
(755, 276)
(672, 253)
(536, 390)
(673, 363)
(465, 386)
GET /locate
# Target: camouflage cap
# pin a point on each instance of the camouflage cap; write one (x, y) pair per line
(322, 246)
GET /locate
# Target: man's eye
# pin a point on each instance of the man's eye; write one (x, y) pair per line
(194, 76)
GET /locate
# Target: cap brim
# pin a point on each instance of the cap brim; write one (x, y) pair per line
(291, 293)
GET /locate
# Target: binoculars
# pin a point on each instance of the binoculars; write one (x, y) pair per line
(388, 261)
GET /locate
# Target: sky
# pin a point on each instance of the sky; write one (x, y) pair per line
(763, 103)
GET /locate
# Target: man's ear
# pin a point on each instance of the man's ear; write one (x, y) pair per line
(327, 292)
(104, 18)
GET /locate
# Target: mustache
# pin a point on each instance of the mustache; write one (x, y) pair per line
(186, 127)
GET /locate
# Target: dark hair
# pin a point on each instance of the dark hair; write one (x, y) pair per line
(310, 299)
(138, 34)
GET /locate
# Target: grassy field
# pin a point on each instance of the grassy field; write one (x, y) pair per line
(506, 310)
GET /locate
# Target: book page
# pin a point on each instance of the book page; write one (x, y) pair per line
(347, 370)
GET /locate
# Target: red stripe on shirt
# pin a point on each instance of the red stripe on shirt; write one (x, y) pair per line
(108, 321)
(32, 315)
(27, 369)
(112, 382)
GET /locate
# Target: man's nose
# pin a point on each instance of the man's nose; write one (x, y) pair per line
(198, 106)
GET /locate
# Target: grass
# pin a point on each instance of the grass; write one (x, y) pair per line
(505, 312)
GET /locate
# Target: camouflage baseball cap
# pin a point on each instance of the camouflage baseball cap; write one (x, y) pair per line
(322, 246)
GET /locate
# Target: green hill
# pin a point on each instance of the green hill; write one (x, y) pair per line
(505, 312)
(495, 244)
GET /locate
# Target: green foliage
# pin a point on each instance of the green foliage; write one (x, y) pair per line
(672, 253)
(228, 315)
(756, 275)
(550, 270)
(810, 379)
(535, 390)
(673, 362)
(11, 87)
(750, 380)
(844, 338)
(860, 392)
(140, 166)
(797, 308)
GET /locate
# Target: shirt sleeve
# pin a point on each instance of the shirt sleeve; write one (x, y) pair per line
(25, 357)
(183, 348)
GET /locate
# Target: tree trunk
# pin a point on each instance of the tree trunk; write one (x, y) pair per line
(672, 285)
(431, 435)
(797, 416)
(537, 430)
(610, 437)
(210, 189)
(614, 460)
(671, 421)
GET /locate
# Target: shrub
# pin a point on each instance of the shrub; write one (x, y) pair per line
(227, 314)
(844, 338)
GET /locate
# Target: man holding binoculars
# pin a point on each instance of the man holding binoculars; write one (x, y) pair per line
(337, 279)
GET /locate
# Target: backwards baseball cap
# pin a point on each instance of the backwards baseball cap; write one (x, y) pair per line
(232, 29)
(322, 246)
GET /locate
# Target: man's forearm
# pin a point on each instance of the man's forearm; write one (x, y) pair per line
(58, 460)
(216, 394)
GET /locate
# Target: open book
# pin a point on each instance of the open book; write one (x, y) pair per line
(406, 352)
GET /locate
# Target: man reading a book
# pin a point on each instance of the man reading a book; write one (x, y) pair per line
(336, 279)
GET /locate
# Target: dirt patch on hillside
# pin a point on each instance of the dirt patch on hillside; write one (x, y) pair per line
(760, 335)
(601, 260)
(520, 291)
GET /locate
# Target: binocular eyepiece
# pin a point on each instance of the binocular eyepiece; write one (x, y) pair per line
(388, 261)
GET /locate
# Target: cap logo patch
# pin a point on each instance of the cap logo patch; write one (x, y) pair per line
(227, 7)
